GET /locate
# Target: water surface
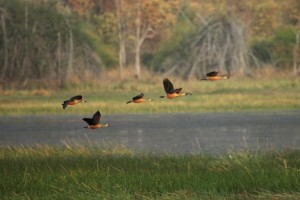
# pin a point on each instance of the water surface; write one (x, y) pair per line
(168, 133)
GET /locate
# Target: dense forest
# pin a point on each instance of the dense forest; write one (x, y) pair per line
(49, 43)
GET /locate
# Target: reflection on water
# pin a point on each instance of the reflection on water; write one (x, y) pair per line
(169, 133)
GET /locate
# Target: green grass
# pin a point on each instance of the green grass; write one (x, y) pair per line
(77, 172)
(219, 96)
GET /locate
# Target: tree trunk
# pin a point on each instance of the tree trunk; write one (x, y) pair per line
(138, 61)
(69, 70)
(122, 56)
(59, 76)
(143, 32)
(26, 56)
(138, 41)
(295, 54)
(5, 64)
(121, 36)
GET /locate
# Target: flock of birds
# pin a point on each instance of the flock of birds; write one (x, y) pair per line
(171, 92)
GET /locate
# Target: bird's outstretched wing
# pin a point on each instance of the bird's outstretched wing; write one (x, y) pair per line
(89, 121)
(65, 104)
(138, 96)
(213, 73)
(77, 97)
(96, 117)
(168, 86)
(93, 121)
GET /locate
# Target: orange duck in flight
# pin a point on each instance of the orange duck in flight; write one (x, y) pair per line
(170, 91)
(138, 99)
(72, 101)
(94, 122)
(214, 76)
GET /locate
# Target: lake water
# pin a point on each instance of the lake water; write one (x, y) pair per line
(162, 133)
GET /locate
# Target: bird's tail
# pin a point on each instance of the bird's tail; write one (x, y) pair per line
(184, 94)
(65, 104)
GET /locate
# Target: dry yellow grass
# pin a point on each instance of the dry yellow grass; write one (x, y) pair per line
(226, 95)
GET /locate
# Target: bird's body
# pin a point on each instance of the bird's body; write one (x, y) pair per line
(139, 99)
(170, 91)
(73, 101)
(214, 76)
(94, 123)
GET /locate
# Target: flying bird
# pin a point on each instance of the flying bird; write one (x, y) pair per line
(170, 91)
(139, 99)
(94, 122)
(213, 76)
(72, 101)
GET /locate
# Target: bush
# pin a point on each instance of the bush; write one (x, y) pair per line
(176, 43)
(278, 49)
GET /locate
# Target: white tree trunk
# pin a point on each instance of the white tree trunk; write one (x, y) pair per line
(121, 36)
(5, 45)
(295, 54)
(138, 41)
(143, 31)
(69, 70)
(138, 61)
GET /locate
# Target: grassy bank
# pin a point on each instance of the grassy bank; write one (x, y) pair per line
(118, 173)
(219, 96)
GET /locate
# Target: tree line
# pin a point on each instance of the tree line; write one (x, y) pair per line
(48, 43)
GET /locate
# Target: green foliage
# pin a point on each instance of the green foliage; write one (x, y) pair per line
(176, 43)
(105, 50)
(278, 48)
(262, 50)
(285, 36)
(147, 59)
(106, 27)
(284, 41)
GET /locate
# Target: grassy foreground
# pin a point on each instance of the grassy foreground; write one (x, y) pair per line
(118, 173)
(226, 95)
